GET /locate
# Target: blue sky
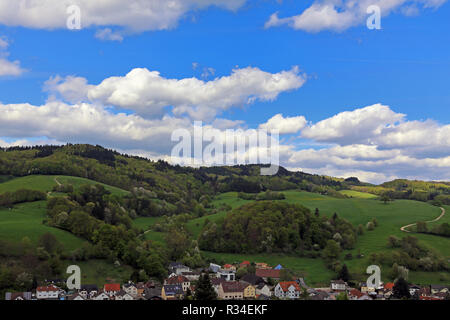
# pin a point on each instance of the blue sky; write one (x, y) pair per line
(404, 67)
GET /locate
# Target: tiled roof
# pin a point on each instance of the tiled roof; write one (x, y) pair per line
(285, 285)
(47, 289)
(252, 279)
(268, 273)
(177, 280)
(233, 286)
(389, 286)
(112, 287)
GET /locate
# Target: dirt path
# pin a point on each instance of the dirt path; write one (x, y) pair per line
(57, 182)
(413, 224)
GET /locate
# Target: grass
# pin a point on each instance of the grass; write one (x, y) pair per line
(358, 210)
(357, 194)
(100, 272)
(25, 220)
(46, 183)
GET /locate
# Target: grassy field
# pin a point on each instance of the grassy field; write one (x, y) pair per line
(46, 183)
(100, 272)
(357, 194)
(358, 210)
(25, 220)
(145, 223)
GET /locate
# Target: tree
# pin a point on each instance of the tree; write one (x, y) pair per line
(344, 274)
(205, 290)
(342, 296)
(49, 242)
(385, 198)
(401, 289)
(360, 229)
(370, 226)
(422, 227)
(332, 250)
(317, 213)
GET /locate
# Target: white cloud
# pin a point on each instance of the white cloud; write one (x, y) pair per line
(148, 93)
(7, 67)
(284, 125)
(133, 15)
(108, 35)
(339, 15)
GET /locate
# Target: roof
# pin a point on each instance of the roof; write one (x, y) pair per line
(217, 281)
(227, 266)
(177, 280)
(268, 273)
(338, 281)
(233, 286)
(173, 289)
(48, 288)
(356, 293)
(15, 295)
(89, 287)
(112, 287)
(245, 263)
(389, 286)
(278, 267)
(252, 279)
(285, 285)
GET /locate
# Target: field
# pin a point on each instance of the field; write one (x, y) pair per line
(25, 220)
(357, 194)
(391, 217)
(46, 183)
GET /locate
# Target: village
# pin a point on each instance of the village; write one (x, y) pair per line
(262, 282)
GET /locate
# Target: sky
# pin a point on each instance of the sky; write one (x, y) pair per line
(347, 100)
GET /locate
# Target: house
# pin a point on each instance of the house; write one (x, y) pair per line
(249, 291)
(180, 280)
(278, 267)
(231, 290)
(214, 268)
(229, 267)
(227, 275)
(338, 285)
(18, 296)
(172, 292)
(216, 283)
(268, 273)
(140, 286)
(178, 268)
(111, 288)
(319, 295)
(123, 295)
(88, 291)
(252, 279)
(152, 293)
(302, 283)
(414, 289)
(287, 289)
(262, 265)
(244, 264)
(366, 289)
(192, 276)
(130, 288)
(102, 296)
(47, 292)
(77, 296)
(355, 294)
(263, 289)
(436, 288)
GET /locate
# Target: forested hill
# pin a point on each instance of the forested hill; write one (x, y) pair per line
(123, 171)
(175, 183)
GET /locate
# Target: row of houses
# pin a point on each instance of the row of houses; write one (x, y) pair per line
(262, 284)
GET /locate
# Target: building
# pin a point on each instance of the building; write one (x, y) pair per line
(249, 291)
(262, 265)
(18, 296)
(252, 279)
(216, 283)
(180, 280)
(214, 268)
(287, 290)
(263, 289)
(178, 268)
(268, 273)
(172, 292)
(130, 288)
(111, 288)
(229, 267)
(244, 264)
(231, 290)
(88, 291)
(47, 292)
(227, 275)
(338, 285)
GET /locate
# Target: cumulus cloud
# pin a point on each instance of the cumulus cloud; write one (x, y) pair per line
(108, 35)
(7, 67)
(339, 15)
(133, 15)
(284, 125)
(148, 93)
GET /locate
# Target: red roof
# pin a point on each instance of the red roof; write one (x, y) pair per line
(112, 287)
(245, 263)
(356, 293)
(227, 266)
(268, 273)
(286, 284)
(428, 298)
(177, 280)
(389, 286)
(233, 286)
(48, 288)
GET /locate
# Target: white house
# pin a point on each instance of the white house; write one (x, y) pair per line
(130, 288)
(48, 292)
(102, 296)
(338, 285)
(263, 289)
(287, 290)
(227, 275)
